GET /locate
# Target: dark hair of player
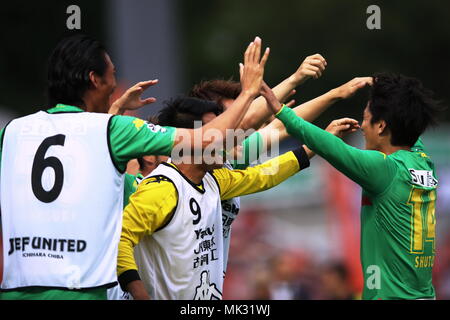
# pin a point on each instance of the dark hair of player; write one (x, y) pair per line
(405, 104)
(69, 66)
(216, 90)
(183, 111)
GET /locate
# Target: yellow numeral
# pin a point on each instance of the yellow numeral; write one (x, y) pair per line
(422, 200)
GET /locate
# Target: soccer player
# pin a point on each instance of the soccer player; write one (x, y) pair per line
(175, 216)
(58, 234)
(174, 220)
(224, 92)
(398, 179)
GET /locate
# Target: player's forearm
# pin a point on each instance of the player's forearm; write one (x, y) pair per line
(312, 109)
(116, 108)
(265, 176)
(227, 120)
(137, 290)
(259, 112)
(125, 257)
(365, 167)
(309, 111)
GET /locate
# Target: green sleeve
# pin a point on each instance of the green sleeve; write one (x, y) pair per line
(251, 150)
(129, 188)
(371, 169)
(131, 138)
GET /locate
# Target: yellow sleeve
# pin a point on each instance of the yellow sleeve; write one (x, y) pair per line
(234, 183)
(150, 208)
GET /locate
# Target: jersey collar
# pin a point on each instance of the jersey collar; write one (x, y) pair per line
(64, 108)
(199, 187)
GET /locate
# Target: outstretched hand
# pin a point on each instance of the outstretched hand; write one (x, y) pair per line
(349, 89)
(312, 67)
(252, 71)
(131, 99)
(272, 101)
(341, 127)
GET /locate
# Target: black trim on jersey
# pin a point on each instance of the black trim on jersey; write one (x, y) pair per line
(302, 157)
(106, 286)
(195, 186)
(217, 182)
(127, 277)
(108, 138)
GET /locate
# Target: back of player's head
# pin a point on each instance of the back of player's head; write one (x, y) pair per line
(69, 66)
(407, 107)
(182, 112)
(216, 90)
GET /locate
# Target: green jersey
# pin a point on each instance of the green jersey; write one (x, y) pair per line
(397, 215)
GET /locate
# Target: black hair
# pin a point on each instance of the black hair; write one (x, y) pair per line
(181, 112)
(405, 104)
(69, 66)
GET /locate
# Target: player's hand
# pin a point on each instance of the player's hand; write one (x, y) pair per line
(252, 71)
(349, 89)
(131, 99)
(312, 67)
(341, 127)
(272, 101)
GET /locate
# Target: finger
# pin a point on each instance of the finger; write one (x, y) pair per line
(320, 57)
(316, 71)
(241, 69)
(148, 100)
(291, 103)
(251, 53)
(290, 94)
(257, 53)
(349, 121)
(265, 57)
(247, 53)
(318, 63)
(148, 84)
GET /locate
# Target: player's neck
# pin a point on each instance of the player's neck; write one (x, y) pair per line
(390, 149)
(194, 172)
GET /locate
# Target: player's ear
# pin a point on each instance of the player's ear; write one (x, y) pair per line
(94, 79)
(382, 127)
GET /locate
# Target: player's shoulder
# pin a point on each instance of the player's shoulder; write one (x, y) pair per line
(156, 182)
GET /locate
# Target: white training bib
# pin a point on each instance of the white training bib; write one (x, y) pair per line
(230, 210)
(184, 260)
(61, 202)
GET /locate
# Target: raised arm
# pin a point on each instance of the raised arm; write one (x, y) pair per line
(235, 183)
(131, 99)
(372, 170)
(258, 113)
(312, 109)
(252, 72)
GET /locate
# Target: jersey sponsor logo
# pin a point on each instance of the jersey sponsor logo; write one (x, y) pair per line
(139, 124)
(229, 213)
(206, 251)
(207, 290)
(423, 178)
(40, 243)
(155, 128)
